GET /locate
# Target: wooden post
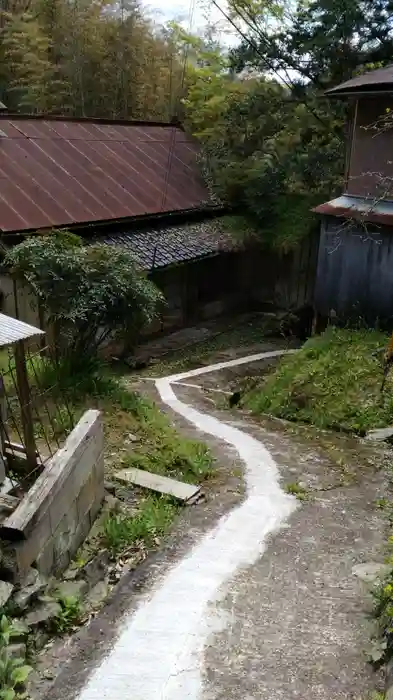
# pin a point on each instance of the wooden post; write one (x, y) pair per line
(25, 404)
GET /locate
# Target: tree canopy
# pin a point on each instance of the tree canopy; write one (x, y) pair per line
(273, 144)
(88, 294)
(97, 58)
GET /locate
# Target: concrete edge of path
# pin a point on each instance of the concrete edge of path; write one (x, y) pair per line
(175, 609)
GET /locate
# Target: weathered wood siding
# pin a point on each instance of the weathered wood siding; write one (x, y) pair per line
(355, 272)
(237, 281)
(58, 511)
(370, 161)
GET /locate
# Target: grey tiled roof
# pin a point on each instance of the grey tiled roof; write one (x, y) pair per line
(172, 245)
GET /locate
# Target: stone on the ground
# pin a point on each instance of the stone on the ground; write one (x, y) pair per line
(371, 571)
(131, 438)
(380, 434)
(17, 651)
(71, 573)
(96, 569)
(98, 594)
(112, 503)
(19, 630)
(30, 589)
(72, 589)
(44, 612)
(110, 487)
(41, 638)
(5, 592)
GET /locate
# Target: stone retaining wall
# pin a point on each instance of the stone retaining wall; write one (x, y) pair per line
(56, 514)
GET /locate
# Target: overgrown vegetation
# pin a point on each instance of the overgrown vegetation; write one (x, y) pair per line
(297, 490)
(146, 527)
(69, 616)
(272, 146)
(155, 445)
(87, 294)
(14, 672)
(332, 382)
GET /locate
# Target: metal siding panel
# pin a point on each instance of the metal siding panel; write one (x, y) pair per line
(354, 278)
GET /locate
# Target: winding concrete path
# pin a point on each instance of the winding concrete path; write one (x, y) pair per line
(159, 652)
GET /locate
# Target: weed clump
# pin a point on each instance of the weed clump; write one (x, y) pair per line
(332, 382)
(147, 526)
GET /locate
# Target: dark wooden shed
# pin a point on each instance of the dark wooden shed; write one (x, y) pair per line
(355, 271)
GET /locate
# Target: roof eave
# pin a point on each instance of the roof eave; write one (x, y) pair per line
(90, 227)
(370, 216)
(357, 93)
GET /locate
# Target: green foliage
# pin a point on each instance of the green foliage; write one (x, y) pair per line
(69, 616)
(163, 451)
(382, 650)
(99, 59)
(13, 672)
(332, 382)
(268, 156)
(151, 522)
(88, 293)
(160, 450)
(323, 42)
(272, 147)
(297, 490)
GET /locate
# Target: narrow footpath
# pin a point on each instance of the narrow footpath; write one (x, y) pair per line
(264, 606)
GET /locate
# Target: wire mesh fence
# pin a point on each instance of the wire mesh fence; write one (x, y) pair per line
(35, 416)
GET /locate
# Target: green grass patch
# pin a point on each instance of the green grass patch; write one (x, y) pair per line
(159, 448)
(155, 445)
(332, 382)
(146, 527)
(162, 450)
(297, 490)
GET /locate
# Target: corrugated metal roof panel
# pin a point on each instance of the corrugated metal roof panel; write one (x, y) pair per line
(60, 172)
(360, 208)
(172, 245)
(380, 79)
(12, 330)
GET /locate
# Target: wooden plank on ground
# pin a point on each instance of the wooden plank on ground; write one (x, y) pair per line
(156, 482)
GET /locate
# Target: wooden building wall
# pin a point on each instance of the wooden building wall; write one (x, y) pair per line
(370, 169)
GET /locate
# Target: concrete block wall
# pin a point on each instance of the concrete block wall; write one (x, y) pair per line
(56, 514)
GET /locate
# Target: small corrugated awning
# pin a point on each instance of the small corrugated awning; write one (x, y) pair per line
(157, 248)
(359, 208)
(12, 330)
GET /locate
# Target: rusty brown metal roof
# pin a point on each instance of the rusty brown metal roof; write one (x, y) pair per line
(380, 80)
(358, 208)
(59, 172)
